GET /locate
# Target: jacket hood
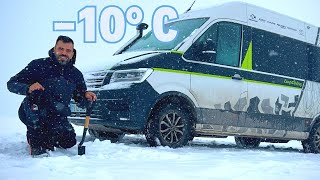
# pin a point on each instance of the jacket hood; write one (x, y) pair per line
(72, 60)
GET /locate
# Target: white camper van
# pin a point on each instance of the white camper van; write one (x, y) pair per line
(233, 70)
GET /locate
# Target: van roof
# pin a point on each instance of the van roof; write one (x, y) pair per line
(260, 18)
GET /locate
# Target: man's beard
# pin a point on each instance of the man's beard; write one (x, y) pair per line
(62, 62)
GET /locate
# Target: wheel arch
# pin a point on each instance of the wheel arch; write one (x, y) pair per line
(315, 120)
(174, 98)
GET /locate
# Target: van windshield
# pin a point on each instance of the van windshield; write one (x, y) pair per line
(150, 43)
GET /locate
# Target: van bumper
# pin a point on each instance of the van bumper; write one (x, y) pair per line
(126, 109)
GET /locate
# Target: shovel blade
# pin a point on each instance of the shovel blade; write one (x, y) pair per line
(81, 150)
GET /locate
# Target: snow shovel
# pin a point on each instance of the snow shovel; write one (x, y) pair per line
(82, 149)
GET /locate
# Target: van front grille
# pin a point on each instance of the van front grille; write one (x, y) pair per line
(95, 79)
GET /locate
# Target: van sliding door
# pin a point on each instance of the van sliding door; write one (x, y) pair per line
(279, 69)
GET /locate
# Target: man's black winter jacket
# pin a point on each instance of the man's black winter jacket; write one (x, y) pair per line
(61, 83)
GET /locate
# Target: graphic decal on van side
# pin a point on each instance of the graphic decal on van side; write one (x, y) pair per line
(282, 106)
(266, 106)
(309, 103)
(247, 63)
(262, 99)
(293, 83)
(278, 108)
(241, 104)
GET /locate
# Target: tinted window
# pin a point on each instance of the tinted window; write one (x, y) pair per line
(278, 54)
(229, 36)
(204, 48)
(314, 63)
(220, 44)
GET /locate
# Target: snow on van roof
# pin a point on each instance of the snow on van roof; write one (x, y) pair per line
(258, 17)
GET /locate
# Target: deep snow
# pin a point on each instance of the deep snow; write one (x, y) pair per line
(132, 158)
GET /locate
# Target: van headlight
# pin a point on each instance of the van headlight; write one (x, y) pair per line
(132, 75)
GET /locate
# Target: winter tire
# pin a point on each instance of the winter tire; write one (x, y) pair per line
(247, 142)
(312, 144)
(171, 126)
(150, 134)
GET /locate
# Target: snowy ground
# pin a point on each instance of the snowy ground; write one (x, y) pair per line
(204, 158)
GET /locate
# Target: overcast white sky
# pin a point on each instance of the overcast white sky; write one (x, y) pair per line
(26, 30)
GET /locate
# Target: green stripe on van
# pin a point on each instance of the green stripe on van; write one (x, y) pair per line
(193, 73)
(293, 83)
(247, 63)
(177, 52)
(172, 71)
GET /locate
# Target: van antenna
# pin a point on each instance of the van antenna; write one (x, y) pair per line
(190, 6)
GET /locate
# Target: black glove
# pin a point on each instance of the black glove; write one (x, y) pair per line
(37, 97)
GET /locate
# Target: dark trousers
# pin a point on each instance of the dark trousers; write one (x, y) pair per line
(46, 129)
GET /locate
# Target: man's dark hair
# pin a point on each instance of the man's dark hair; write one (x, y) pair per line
(64, 39)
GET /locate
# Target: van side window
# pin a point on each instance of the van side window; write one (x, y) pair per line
(220, 44)
(314, 63)
(204, 49)
(278, 54)
(228, 50)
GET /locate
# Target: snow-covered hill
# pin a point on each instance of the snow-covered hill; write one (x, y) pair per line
(132, 158)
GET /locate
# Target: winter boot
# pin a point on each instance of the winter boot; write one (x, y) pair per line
(48, 146)
(38, 152)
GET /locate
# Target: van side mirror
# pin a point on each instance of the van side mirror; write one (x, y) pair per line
(209, 46)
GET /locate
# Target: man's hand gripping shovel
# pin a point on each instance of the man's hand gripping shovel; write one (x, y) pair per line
(82, 149)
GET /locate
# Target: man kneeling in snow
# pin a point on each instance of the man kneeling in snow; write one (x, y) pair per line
(49, 84)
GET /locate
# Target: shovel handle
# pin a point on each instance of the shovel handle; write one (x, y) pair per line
(86, 122)
(88, 113)
(89, 108)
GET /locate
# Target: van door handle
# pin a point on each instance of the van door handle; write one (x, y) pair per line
(237, 77)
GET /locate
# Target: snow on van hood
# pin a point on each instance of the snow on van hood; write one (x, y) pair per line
(124, 58)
